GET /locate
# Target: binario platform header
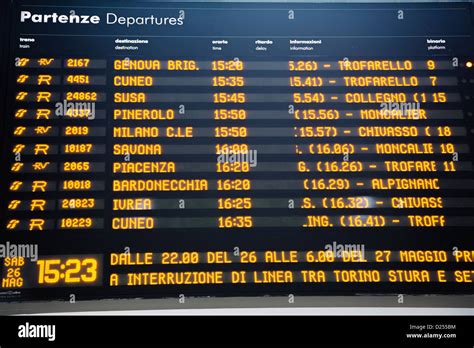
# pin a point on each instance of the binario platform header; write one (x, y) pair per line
(110, 19)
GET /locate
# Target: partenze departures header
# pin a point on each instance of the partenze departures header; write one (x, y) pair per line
(111, 18)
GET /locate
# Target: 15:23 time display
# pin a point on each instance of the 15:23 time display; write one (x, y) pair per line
(68, 271)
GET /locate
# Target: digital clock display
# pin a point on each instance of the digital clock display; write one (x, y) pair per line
(236, 149)
(72, 271)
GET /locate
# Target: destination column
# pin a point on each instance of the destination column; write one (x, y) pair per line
(151, 170)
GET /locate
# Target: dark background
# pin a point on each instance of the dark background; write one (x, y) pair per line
(432, 20)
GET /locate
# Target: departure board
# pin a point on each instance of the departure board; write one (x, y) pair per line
(157, 150)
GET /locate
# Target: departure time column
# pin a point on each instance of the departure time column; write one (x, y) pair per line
(231, 148)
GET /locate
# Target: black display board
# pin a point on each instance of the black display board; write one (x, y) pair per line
(155, 150)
